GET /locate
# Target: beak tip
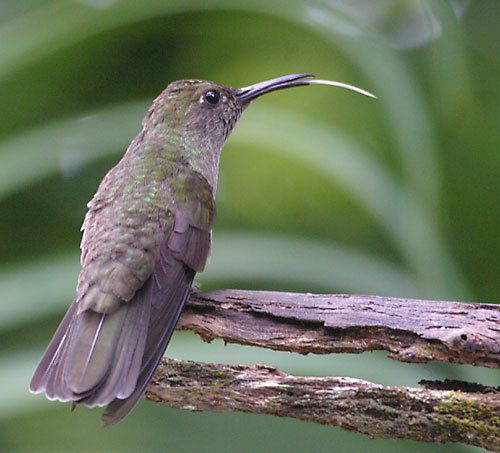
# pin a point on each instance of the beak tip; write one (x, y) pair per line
(251, 92)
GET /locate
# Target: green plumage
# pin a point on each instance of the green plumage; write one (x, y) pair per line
(146, 234)
(129, 217)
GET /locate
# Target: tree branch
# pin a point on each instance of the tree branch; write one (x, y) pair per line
(352, 404)
(411, 330)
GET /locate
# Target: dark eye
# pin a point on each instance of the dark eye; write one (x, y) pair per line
(211, 97)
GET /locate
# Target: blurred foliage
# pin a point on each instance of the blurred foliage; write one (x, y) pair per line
(321, 190)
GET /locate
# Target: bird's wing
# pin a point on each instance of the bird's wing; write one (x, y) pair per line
(96, 353)
(115, 333)
(122, 235)
(181, 256)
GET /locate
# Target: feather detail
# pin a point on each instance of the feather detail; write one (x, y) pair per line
(164, 317)
(96, 354)
(130, 293)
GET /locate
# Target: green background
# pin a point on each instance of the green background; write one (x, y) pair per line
(321, 190)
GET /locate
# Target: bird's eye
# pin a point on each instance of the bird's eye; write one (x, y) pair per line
(211, 97)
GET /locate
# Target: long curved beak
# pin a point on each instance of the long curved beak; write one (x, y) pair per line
(251, 92)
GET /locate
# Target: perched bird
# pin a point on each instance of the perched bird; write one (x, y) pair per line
(146, 234)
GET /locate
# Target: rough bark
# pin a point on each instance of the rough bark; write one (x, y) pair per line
(352, 404)
(411, 330)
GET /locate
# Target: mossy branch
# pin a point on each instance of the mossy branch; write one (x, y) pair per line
(411, 330)
(352, 404)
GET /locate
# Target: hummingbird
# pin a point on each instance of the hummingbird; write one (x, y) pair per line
(146, 234)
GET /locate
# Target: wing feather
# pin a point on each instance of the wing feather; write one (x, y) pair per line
(113, 336)
(164, 318)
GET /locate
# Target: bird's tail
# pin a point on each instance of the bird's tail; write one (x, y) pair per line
(164, 317)
(94, 358)
(98, 359)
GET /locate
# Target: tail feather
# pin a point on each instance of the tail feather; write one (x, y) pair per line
(45, 371)
(129, 350)
(164, 318)
(91, 350)
(108, 359)
(56, 387)
(92, 353)
(98, 359)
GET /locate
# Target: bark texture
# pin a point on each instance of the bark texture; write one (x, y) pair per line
(411, 330)
(352, 404)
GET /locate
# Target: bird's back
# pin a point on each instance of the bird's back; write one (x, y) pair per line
(146, 234)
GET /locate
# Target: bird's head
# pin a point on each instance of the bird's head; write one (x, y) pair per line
(203, 113)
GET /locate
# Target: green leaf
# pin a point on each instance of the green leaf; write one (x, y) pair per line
(37, 154)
